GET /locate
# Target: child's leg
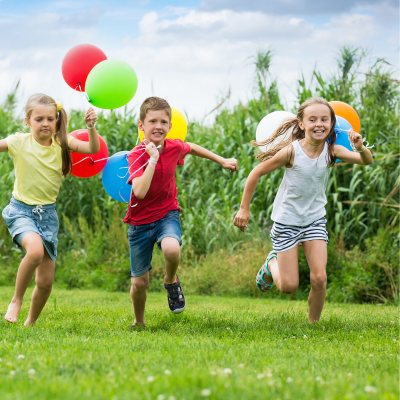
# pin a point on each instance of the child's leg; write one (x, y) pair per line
(44, 283)
(317, 257)
(285, 270)
(139, 296)
(172, 256)
(32, 243)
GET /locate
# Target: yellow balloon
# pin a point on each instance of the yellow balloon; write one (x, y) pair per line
(179, 127)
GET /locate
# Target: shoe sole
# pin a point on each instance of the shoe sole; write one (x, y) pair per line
(178, 310)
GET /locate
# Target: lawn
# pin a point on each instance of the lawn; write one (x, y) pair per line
(219, 348)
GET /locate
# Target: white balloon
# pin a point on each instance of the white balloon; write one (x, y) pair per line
(269, 124)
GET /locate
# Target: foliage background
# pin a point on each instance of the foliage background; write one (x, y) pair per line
(362, 210)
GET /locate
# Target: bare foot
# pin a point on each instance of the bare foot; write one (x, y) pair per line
(267, 279)
(13, 311)
(29, 323)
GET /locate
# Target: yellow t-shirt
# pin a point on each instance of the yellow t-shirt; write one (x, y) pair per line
(38, 169)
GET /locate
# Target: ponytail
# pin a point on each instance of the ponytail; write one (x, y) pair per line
(273, 148)
(61, 137)
(297, 133)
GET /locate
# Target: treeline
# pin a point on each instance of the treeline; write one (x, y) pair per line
(363, 202)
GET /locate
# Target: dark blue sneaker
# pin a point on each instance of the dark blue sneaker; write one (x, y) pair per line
(176, 298)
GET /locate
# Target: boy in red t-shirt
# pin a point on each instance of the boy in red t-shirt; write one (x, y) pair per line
(153, 211)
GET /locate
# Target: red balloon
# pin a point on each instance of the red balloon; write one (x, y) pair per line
(87, 165)
(78, 62)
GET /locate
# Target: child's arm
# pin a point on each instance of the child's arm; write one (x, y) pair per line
(93, 146)
(283, 157)
(228, 163)
(3, 146)
(141, 185)
(363, 158)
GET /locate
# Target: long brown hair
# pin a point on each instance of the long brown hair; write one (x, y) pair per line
(298, 133)
(61, 135)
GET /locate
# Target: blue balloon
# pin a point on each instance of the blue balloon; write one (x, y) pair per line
(342, 137)
(115, 177)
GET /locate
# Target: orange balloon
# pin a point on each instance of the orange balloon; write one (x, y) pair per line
(348, 113)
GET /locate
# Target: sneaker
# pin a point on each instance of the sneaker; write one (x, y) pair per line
(176, 298)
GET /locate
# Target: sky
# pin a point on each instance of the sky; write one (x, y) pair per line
(189, 52)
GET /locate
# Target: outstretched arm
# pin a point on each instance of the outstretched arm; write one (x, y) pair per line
(3, 146)
(228, 163)
(93, 146)
(363, 158)
(278, 160)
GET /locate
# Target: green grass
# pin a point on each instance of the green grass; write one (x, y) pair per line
(81, 348)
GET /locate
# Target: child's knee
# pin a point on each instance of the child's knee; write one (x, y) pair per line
(172, 250)
(44, 283)
(318, 280)
(36, 254)
(288, 286)
(139, 283)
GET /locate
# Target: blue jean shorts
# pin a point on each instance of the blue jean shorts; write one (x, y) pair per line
(143, 237)
(22, 218)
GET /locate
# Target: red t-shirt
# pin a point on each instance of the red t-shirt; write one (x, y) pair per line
(161, 196)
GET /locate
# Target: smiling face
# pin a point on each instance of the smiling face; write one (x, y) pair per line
(316, 122)
(42, 121)
(155, 126)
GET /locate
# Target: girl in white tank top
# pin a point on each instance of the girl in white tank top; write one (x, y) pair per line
(299, 207)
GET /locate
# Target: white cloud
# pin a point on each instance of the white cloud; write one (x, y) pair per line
(305, 7)
(209, 27)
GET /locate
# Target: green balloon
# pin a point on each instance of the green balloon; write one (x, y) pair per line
(111, 84)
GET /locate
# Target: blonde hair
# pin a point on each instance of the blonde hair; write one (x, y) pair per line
(298, 133)
(61, 135)
(154, 103)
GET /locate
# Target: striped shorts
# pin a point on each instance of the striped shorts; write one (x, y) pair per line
(285, 237)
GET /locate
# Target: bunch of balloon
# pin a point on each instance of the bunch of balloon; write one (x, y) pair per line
(88, 165)
(346, 118)
(179, 126)
(78, 62)
(108, 84)
(115, 177)
(348, 113)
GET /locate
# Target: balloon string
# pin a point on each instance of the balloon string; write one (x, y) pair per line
(134, 150)
(131, 186)
(128, 168)
(101, 159)
(343, 130)
(85, 94)
(83, 159)
(91, 159)
(367, 146)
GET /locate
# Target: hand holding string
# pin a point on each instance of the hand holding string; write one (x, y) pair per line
(90, 118)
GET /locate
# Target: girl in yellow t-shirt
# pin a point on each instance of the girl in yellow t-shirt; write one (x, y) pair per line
(41, 158)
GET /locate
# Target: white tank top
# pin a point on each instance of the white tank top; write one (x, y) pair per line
(301, 197)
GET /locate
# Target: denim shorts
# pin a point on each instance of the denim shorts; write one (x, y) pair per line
(22, 218)
(143, 237)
